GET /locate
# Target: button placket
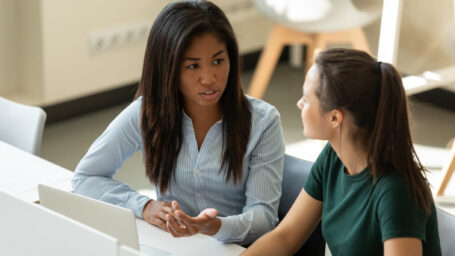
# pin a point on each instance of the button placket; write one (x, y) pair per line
(198, 182)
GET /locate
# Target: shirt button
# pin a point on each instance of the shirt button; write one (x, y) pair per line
(198, 195)
(197, 171)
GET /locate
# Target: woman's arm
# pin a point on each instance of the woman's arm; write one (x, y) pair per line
(403, 223)
(262, 185)
(94, 174)
(403, 246)
(293, 231)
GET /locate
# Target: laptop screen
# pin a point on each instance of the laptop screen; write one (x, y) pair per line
(110, 219)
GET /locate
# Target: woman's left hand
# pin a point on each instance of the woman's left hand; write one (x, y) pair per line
(205, 223)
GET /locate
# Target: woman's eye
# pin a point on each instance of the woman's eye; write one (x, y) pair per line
(193, 66)
(218, 61)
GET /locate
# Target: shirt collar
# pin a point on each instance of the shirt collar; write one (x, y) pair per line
(185, 115)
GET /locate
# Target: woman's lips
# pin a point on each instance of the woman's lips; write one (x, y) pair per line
(209, 95)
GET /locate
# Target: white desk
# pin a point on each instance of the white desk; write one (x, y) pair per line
(21, 172)
(30, 229)
(185, 246)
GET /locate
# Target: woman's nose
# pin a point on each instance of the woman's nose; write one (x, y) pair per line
(300, 104)
(208, 76)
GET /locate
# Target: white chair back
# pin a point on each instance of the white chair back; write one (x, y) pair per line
(124, 250)
(21, 125)
(446, 226)
(319, 16)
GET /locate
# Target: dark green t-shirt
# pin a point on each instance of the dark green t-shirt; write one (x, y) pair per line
(358, 216)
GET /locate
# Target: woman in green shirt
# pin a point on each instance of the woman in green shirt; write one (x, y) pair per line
(367, 185)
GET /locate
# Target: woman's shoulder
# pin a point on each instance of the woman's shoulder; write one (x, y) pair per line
(137, 103)
(134, 108)
(130, 115)
(392, 185)
(392, 180)
(262, 110)
(327, 154)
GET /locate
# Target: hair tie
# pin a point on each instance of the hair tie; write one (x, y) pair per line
(377, 67)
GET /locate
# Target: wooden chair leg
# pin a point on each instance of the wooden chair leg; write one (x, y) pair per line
(279, 37)
(321, 42)
(309, 55)
(267, 62)
(447, 172)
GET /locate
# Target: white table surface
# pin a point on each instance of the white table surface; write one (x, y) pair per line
(184, 246)
(21, 172)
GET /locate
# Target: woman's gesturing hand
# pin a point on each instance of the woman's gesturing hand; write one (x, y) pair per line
(155, 213)
(180, 224)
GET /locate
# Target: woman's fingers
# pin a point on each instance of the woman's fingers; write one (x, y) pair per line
(174, 228)
(162, 215)
(171, 230)
(185, 219)
(167, 208)
(160, 223)
(156, 211)
(210, 212)
(175, 206)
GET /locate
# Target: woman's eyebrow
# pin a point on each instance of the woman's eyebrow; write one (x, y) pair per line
(217, 53)
(191, 58)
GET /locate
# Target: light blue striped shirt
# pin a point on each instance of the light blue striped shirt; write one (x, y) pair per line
(247, 209)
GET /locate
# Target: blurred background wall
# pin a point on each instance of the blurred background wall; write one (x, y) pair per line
(54, 51)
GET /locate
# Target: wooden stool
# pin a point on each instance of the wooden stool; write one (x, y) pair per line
(314, 42)
(447, 172)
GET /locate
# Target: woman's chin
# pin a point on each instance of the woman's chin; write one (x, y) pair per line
(306, 134)
(310, 135)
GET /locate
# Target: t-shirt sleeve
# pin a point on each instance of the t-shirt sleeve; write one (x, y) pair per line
(314, 183)
(398, 213)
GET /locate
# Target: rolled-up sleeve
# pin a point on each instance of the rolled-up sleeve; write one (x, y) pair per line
(263, 186)
(93, 176)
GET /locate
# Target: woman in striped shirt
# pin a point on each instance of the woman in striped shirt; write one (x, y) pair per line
(214, 154)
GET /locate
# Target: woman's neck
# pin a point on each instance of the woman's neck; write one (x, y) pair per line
(204, 115)
(354, 158)
(203, 118)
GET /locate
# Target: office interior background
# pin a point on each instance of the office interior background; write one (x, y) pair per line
(81, 62)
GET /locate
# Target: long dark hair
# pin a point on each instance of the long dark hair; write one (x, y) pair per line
(373, 93)
(162, 101)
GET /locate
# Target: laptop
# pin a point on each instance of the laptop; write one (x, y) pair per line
(113, 220)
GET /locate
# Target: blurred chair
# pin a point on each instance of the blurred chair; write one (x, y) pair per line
(295, 173)
(21, 125)
(447, 172)
(446, 226)
(314, 23)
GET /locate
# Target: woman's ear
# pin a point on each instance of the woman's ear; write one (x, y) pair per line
(336, 118)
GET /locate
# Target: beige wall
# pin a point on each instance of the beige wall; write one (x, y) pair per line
(51, 46)
(29, 52)
(423, 33)
(45, 58)
(70, 69)
(8, 59)
(423, 43)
